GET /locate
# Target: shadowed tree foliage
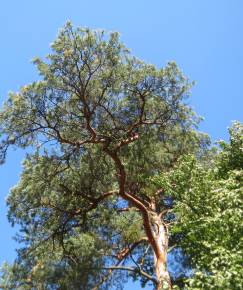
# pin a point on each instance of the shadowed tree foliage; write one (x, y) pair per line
(208, 208)
(103, 127)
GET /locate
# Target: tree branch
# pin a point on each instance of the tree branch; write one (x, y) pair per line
(132, 269)
(126, 251)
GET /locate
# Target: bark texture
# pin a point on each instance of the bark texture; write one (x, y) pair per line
(160, 233)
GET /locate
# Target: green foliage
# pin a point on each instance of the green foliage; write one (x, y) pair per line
(113, 141)
(208, 209)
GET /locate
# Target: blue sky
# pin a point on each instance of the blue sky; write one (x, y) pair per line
(203, 37)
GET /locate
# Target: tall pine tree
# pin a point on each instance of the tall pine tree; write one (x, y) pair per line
(95, 202)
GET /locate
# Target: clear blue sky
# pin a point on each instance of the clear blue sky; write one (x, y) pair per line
(203, 37)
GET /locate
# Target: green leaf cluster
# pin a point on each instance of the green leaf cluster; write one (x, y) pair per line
(208, 209)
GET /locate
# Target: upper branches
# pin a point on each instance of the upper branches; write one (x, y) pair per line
(93, 92)
(105, 122)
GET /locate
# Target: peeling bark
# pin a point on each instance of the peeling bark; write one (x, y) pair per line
(161, 238)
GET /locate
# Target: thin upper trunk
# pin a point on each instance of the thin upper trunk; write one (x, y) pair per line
(155, 230)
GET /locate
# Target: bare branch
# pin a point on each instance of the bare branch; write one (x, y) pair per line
(132, 269)
(126, 251)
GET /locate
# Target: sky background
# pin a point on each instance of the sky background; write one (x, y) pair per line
(204, 37)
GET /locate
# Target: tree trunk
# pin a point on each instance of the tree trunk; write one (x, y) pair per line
(160, 254)
(162, 274)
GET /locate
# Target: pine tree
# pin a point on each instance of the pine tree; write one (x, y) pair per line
(102, 128)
